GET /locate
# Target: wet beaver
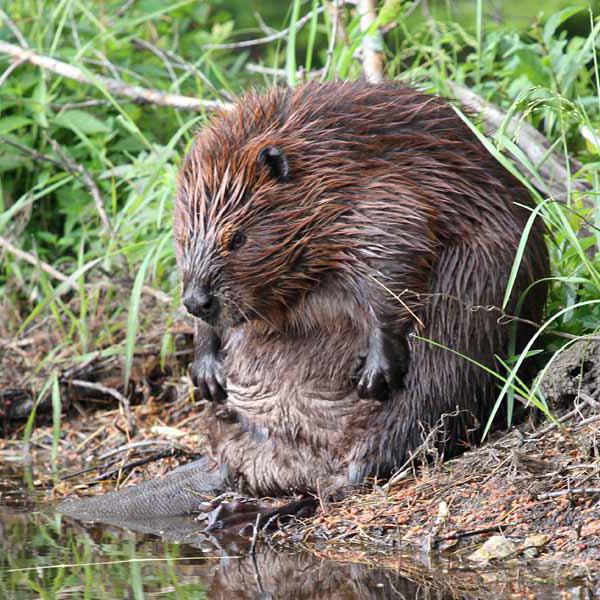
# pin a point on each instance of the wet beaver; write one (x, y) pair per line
(324, 224)
(317, 231)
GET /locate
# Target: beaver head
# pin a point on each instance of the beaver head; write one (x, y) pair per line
(260, 209)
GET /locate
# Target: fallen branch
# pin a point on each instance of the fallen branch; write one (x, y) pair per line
(102, 389)
(554, 178)
(459, 535)
(71, 284)
(575, 490)
(136, 93)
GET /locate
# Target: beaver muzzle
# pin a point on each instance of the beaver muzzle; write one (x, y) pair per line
(201, 303)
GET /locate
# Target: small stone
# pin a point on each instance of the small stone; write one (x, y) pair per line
(496, 547)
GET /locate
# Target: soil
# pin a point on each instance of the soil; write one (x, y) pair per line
(529, 495)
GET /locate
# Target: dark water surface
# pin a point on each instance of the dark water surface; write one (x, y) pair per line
(44, 555)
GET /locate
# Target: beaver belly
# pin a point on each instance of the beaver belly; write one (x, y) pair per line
(295, 404)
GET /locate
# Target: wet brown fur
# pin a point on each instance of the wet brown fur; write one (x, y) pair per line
(389, 193)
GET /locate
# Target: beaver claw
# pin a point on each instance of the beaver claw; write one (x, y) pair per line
(374, 383)
(242, 515)
(383, 369)
(207, 377)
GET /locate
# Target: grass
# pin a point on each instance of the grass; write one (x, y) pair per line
(545, 68)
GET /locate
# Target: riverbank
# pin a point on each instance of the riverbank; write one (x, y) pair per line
(527, 497)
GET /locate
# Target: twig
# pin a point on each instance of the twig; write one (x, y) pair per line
(15, 65)
(136, 93)
(137, 463)
(87, 179)
(4, 243)
(123, 400)
(403, 470)
(32, 152)
(262, 70)
(281, 74)
(88, 470)
(144, 45)
(575, 490)
(264, 40)
(72, 285)
(126, 6)
(255, 535)
(97, 387)
(553, 174)
(68, 164)
(140, 444)
(372, 42)
(572, 413)
(15, 30)
(335, 17)
(459, 535)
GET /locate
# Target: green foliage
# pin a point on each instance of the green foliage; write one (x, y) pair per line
(54, 131)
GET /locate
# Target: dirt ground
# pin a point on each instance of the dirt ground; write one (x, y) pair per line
(532, 494)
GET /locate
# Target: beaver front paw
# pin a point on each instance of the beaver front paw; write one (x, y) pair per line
(383, 370)
(208, 378)
(375, 382)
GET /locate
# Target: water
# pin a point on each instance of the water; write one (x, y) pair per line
(44, 555)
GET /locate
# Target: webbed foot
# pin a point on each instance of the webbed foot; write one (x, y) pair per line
(242, 515)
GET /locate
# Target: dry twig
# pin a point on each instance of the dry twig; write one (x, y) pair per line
(372, 42)
(264, 40)
(554, 178)
(136, 93)
(88, 180)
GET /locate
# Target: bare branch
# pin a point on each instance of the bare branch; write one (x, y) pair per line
(554, 177)
(372, 41)
(136, 93)
(334, 9)
(264, 40)
(87, 179)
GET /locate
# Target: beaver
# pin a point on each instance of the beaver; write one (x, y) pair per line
(342, 246)
(320, 226)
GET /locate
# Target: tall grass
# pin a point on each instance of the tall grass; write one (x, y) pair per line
(132, 152)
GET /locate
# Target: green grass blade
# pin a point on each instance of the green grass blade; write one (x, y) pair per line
(133, 316)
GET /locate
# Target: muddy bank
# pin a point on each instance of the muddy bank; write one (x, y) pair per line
(528, 499)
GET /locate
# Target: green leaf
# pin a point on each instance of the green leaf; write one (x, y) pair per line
(40, 102)
(531, 65)
(556, 20)
(133, 316)
(81, 121)
(11, 123)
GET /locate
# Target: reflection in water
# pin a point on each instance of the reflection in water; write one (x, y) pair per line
(45, 555)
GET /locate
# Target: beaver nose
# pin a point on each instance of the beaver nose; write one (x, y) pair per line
(200, 303)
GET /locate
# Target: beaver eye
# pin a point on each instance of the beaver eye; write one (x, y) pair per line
(237, 240)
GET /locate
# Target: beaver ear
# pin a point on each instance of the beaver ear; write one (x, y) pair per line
(276, 161)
